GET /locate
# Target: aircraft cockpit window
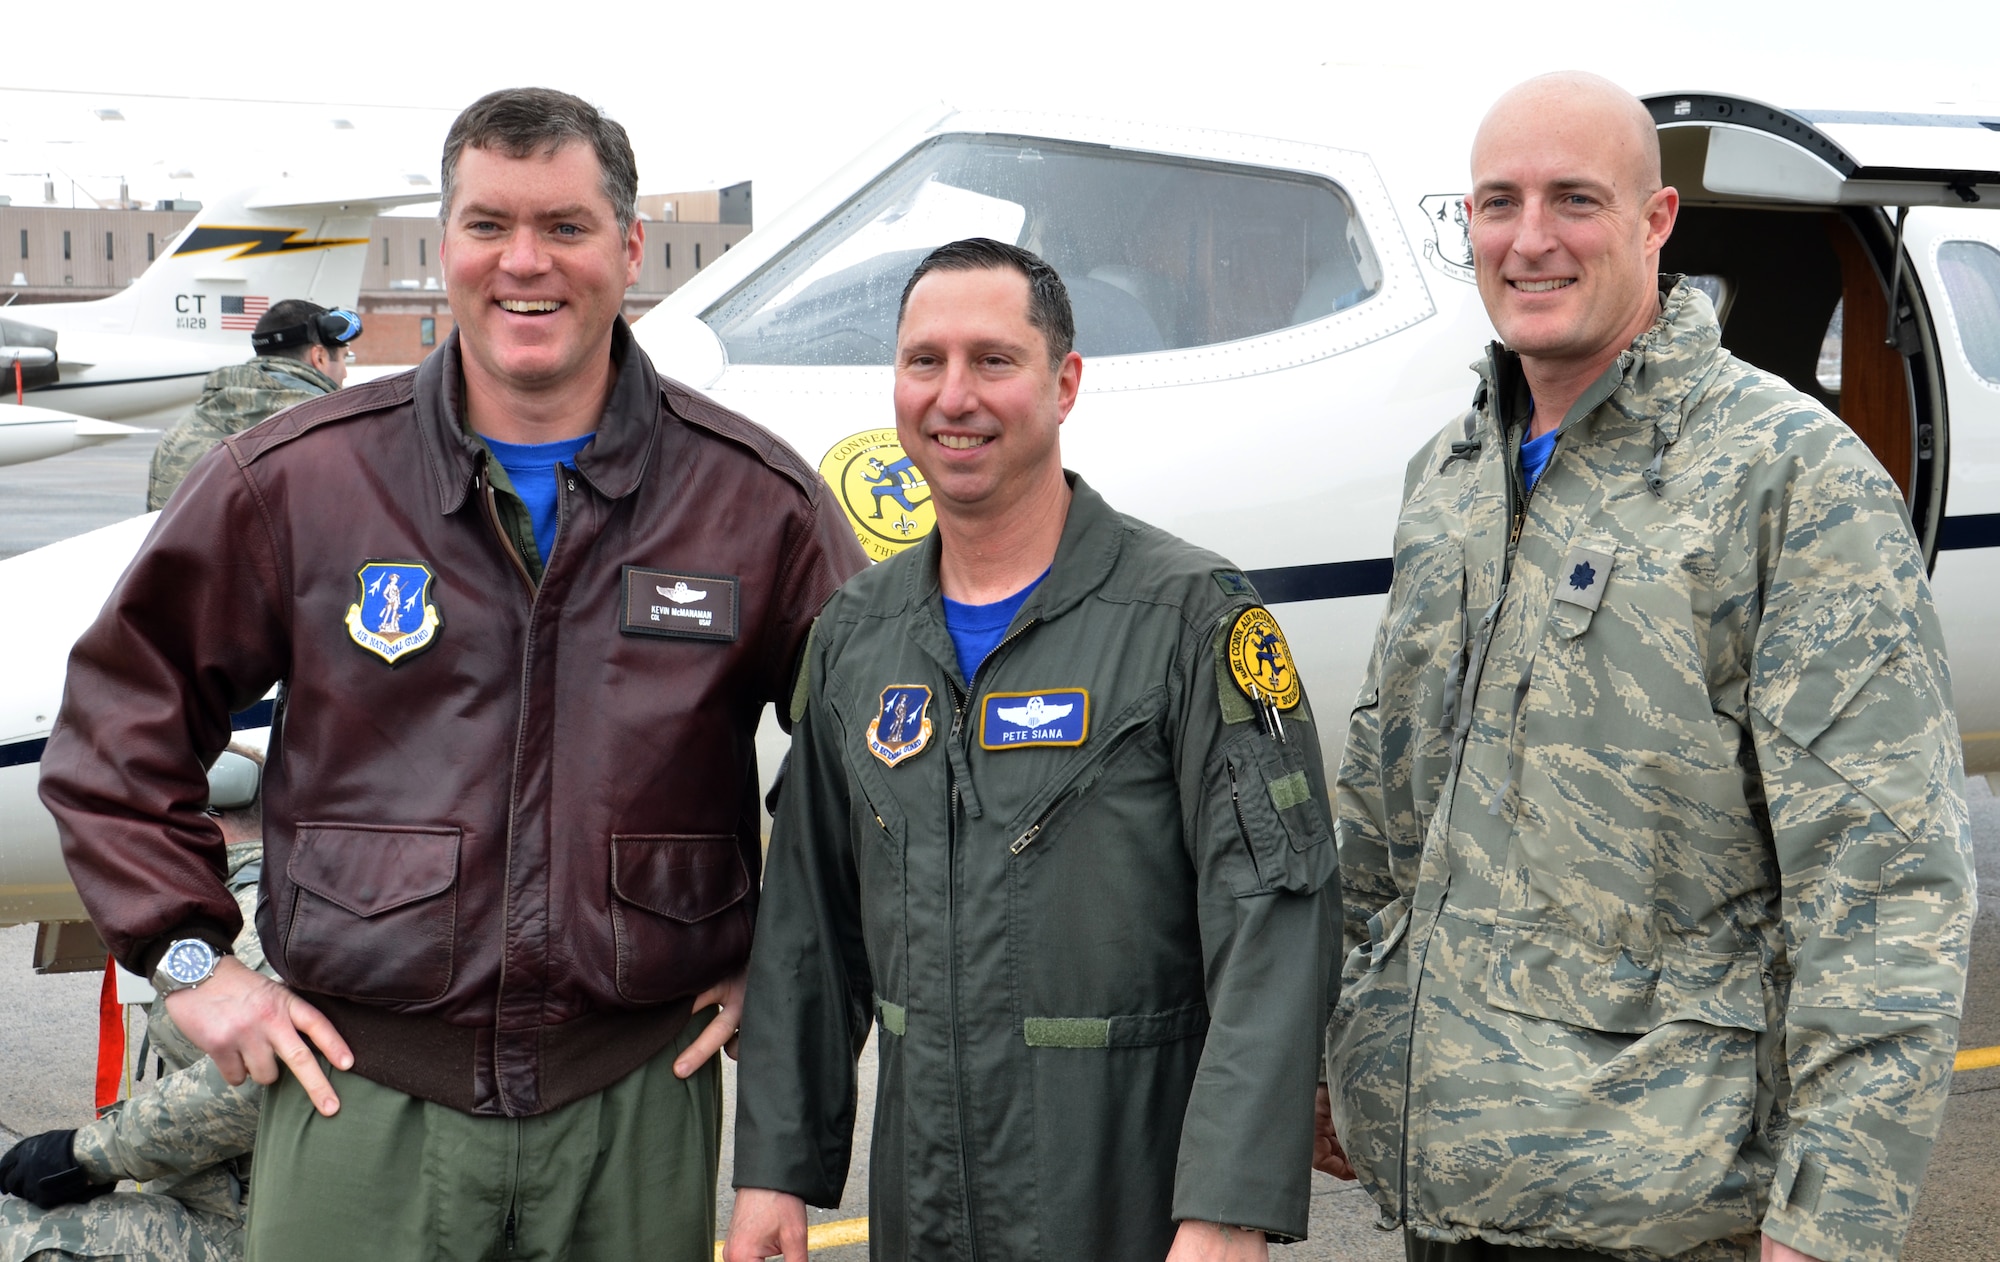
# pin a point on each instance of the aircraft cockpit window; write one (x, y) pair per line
(1720, 294)
(1828, 371)
(1971, 272)
(1158, 253)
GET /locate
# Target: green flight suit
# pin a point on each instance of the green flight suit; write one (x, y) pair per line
(1101, 969)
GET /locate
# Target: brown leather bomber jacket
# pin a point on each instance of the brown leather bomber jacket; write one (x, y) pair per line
(510, 831)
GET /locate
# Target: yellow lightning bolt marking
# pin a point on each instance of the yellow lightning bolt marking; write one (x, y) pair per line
(263, 244)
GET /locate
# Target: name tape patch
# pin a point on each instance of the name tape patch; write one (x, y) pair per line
(683, 606)
(1016, 720)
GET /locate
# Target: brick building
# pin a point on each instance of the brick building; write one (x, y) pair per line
(59, 254)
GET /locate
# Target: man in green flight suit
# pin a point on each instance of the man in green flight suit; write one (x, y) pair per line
(1060, 831)
(1652, 830)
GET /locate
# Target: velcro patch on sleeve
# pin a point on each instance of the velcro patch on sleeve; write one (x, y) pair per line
(1289, 791)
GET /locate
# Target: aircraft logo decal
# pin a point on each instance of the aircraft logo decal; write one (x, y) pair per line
(253, 242)
(1016, 720)
(1261, 661)
(394, 616)
(883, 494)
(1449, 248)
(902, 725)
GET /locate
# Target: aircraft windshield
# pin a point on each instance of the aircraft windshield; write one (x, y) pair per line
(1158, 253)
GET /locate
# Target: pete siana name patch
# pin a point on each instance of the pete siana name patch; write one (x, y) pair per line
(1017, 720)
(682, 606)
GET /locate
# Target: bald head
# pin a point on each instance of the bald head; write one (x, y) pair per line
(1567, 217)
(1580, 102)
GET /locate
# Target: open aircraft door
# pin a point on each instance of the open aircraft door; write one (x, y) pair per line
(1826, 240)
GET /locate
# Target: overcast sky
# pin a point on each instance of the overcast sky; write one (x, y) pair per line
(784, 92)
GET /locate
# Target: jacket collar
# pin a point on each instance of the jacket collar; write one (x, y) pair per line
(613, 463)
(1648, 382)
(1092, 535)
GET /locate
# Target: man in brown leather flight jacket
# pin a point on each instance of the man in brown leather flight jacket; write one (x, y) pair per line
(526, 605)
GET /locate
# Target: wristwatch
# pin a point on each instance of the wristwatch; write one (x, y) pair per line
(188, 963)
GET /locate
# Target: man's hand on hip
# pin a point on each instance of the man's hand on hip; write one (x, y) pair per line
(250, 1024)
(1212, 1242)
(766, 1224)
(721, 1032)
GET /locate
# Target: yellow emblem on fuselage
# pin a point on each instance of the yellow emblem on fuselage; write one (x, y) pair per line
(883, 494)
(1261, 661)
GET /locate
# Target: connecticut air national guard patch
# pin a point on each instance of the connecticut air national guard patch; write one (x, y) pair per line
(394, 616)
(901, 728)
(1260, 660)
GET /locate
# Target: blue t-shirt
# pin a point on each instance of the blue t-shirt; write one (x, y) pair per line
(1535, 455)
(531, 467)
(977, 630)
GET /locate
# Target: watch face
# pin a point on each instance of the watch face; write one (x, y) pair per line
(189, 962)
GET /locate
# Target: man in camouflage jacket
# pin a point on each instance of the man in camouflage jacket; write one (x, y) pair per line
(237, 396)
(188, 1139)
(1652, 835)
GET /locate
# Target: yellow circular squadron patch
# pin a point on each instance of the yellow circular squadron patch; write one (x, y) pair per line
(886, 499)
(1261, 661)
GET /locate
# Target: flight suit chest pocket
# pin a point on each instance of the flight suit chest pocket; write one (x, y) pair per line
(1280, 820)
(373, 911)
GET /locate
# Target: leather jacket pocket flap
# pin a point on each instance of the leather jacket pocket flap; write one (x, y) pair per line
(369, 869)
(682, 877)
(1544, 973)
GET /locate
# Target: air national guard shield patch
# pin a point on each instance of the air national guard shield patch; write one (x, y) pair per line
(394, 616)
(1260, 660)
(901, 728)
(1016, 720)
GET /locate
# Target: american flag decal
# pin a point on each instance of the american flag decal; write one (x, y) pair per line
(242, 311)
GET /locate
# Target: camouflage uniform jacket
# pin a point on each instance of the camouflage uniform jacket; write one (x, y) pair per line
(233, 398)
(190, 1136)
(1652, 831)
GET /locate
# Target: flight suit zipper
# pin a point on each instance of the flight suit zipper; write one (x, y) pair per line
(1242, 827)
(959, 700)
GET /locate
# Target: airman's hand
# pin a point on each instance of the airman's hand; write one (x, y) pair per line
(1328, 1156)
(250, 1024)
(1212, 1242)
(1775, 1252)
(766, 1224)
(721, 1032)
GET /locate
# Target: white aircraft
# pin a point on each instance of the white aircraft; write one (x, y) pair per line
(140, 355)
(1273, 318)
(30, 433)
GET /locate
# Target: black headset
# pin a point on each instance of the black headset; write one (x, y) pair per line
(331, 329)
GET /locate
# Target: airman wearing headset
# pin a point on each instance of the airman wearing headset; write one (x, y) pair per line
(301, 354)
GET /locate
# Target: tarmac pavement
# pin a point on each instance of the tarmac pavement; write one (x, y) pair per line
(48, 1024)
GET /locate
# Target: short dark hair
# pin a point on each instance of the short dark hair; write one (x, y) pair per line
(1048, 298)
(286, 314)
(523, 121)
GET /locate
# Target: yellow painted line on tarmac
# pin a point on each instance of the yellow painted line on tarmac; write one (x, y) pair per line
(827, 1235)
(1976, 1058)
